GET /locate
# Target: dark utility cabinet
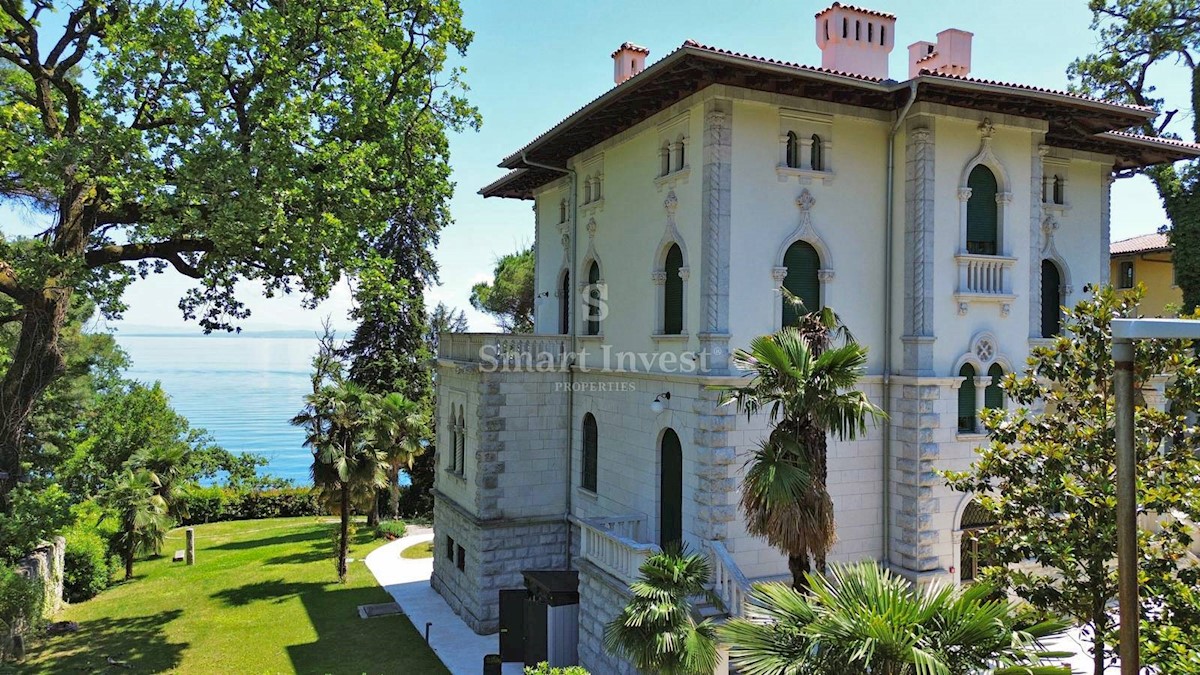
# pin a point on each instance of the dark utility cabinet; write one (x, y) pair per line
(541, 621)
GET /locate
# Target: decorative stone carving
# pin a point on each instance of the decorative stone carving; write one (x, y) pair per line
(778, 274)
(984, 348)
(964, 194)
(1005, 308)
(659, 278)
(962, 308)
(825, 275)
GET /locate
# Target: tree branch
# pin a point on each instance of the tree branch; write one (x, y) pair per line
(168, 250)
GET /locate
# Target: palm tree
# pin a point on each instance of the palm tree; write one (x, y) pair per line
(803, 380)
(868, 620)
(347, 468)
(656, 631)
(401, 424)
(141, 514)
(165, 465)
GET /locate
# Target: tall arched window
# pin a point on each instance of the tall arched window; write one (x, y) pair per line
(673, 292)
(664, 160)
(993, 395)
(1051, 299)
(594, 299)
(680, 153)
(972, 555)
(793, 150)
(460, 460)
(587, 190)
(670, 490)
(562, 211)
(983, 230)
(591, 442)
(802, 262)
(452, 446)
(816, 154)
(966, 400)
(564, 303)
(1058, 189)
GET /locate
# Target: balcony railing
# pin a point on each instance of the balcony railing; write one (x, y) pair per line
(512, 350)
(611, 543)
(984, 274)
(729, 584)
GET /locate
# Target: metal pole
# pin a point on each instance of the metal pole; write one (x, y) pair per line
(1127, 573)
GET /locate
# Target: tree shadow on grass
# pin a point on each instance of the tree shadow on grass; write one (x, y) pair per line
(321, 550)
(274, 591)
(391, 643)
(135, 644)
(307, 534)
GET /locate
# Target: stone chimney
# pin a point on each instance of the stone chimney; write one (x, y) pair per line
(950, 56)
(628, 60)
(855, 40)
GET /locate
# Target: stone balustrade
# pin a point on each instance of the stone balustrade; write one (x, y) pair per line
(507, 350)
(729, 584)
(611, 544)
(984, 274)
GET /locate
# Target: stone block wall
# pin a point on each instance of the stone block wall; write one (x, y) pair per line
(601, 597)
(45, 564)
(496, 553)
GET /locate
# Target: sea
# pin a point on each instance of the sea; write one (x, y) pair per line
(241, 389)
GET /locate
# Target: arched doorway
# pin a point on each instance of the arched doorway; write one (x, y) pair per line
(670, 490)
(973, 554)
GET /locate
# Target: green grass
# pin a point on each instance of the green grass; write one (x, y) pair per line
(263, 597)
(421, 550)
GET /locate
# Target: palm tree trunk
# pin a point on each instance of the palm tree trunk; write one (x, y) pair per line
(373, 513)
(394, 492)
(798, 565)
(128, 564)
(344, 539)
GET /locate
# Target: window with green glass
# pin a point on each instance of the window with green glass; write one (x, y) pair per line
(591, 443)
(593, 321)
(793, 150)
(993, 395)
(983, 232)
(564, 303)
(802, 262)
(673, 292)
(966, 400)
(1125, 277)
(1051, 299)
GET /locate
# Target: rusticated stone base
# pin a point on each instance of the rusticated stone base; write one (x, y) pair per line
(601, 597)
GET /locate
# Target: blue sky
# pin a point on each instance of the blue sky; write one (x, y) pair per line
(534, 63)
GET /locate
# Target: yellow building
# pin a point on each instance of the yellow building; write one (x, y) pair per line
(1146, 259)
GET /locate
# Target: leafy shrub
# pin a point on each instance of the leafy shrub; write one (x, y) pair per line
(393, 528)
(36, 514)
(20, 609)
(87, 569)
(545, 668)
(214, 504)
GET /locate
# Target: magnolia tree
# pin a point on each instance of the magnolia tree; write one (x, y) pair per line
(275, 142)
(1047, 478)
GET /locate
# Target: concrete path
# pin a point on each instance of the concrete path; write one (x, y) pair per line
(1074, 641)
(459, 648)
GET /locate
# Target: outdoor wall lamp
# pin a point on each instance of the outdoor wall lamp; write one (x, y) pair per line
(660, 402)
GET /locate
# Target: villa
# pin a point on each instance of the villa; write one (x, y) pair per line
(946, 218)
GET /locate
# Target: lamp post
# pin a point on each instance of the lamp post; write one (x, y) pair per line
(1124, 332)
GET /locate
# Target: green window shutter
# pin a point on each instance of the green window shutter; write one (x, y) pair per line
(591, 443)
(982, 215)
(793, 150)
(802, 263)
(593, 322)
(564, 304)
(816, 154)
(966, 399)
(670, 491)
(993, 396)
(1051, 297)
(673, 293)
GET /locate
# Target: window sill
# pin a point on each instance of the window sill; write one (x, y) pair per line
(803, 176)
(590, 338)
(594, 205)
(669, 337)
(586, 493)
(1052, 207)
(455, 475)
(676, 176)
(1042, 341)
(969, 437)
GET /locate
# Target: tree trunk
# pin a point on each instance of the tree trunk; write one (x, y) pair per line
(344, 538)
(128, 565)
(1100, 626)
(37, 361)
(394, 492)
(373, 512)
(798, 565)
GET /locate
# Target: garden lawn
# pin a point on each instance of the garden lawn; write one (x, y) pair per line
(262, 597)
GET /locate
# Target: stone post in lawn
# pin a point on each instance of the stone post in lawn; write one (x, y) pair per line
(191, 546)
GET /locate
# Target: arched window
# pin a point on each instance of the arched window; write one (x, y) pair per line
(871, 33)
(680, 156)
(452, 446)
(845, 28)
(966, 400)
(802, 262)
(993, 395)
(593, 320)
(983, 231)
(673, 292)
(590, 448)
(857, 30)
(816, 154)
(670, 490)
(1051, 299)
(460, 460)
(972, 554)
(587, 190)
(664, 159)
(564, 303)
(793, 150)
(1058, 189)
(562, 211)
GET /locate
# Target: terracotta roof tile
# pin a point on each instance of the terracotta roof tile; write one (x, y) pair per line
(1140, 244)
(1029, 87)
(1174, 142)
(853, 8)
(631, 47)
(777, 62)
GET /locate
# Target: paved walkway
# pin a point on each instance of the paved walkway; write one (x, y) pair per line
(459, 648)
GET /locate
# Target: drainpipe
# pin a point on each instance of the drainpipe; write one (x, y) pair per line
(889, 226)
(572, 322)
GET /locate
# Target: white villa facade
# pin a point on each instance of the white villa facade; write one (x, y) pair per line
(945, 218)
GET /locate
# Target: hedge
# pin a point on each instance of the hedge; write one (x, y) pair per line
(87, 566)
(214, 504)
